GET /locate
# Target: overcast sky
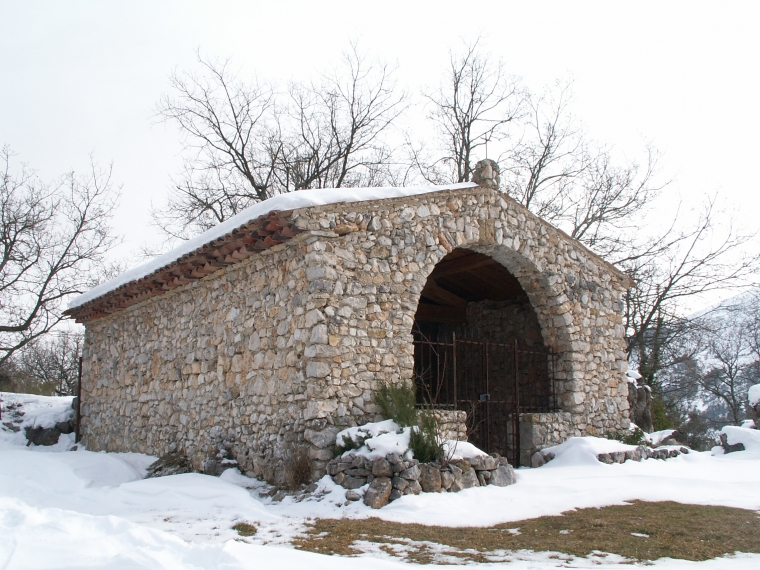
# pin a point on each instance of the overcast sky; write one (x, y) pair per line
(80, 77)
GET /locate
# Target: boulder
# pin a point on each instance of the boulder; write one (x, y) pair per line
(412, 473)
(400, 483)
(730, 448)
(503, 476)
(169, 464)
(321, 439)
(359, 462)
(430, 478)
(352, 495)
(447, 479)
(42, 436)
(414, 488)
(537, 460)
(395, 494)
(382, 468)
(605, 458)
(353, 482)
(483, 463)
(66, 427)
(378, 492)
(465, 480)
(618, 456)
(393, 458)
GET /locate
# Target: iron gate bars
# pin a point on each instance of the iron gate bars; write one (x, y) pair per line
(493, 382)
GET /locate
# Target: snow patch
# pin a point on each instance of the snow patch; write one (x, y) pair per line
(22, 411)
(754, 395)
(376, 439)
(657, 437)
(454, 450)
(282, 202)
(750, 438)
(577, 451)
(69, 509)
(633, 376)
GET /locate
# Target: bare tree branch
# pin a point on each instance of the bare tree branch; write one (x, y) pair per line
(51, 237)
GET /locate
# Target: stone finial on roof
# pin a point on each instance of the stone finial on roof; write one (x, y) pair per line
(486, 173)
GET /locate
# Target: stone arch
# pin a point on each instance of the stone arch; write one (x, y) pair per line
(555, 320)
(467, 281)
(488, 296)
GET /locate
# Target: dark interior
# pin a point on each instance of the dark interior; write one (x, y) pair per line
(489, 361)
(463, 277)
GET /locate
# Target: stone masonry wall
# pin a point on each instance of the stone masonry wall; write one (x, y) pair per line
(538, 431)
(276, 352)
(503, 320)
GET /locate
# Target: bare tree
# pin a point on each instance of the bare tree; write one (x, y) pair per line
(555, 172)
(722, 366)
(333, 131)
(668, 272)
(473, 107)
(231, 144)
(51, 238)
(547, 164)
(539, 169)
(52, 362)
(247, 142)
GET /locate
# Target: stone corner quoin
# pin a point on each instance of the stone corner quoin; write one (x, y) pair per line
(271, 355)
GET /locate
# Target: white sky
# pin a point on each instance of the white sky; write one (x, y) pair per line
(79, 77)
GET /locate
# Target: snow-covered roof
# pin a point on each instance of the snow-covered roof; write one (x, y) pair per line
(282, 202)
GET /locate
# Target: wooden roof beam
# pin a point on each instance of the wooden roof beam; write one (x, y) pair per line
(440, 314)
(440, 295)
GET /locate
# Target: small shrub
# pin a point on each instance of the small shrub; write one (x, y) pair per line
(660, 418)
(244, 529)
(349, 443)
(296, 468)
(398, 402)
(635, 437)
(424, 438)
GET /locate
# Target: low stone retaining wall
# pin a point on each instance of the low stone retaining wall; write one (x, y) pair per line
(538, 431)
(392, 477)
(639, 454)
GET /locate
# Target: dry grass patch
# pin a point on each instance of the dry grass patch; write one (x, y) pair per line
(244, 529)
(639, 531)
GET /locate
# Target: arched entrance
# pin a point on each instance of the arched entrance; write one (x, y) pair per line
(478, 348)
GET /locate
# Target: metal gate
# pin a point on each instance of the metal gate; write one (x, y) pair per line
(494, 382)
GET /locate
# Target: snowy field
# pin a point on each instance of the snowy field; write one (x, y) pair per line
(71, 509)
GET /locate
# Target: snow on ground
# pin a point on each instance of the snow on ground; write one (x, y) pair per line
(657, 437)
(80, 509)
(31, 411)
(378, 439)
(282, 202)
(754, 395)
(749, 437)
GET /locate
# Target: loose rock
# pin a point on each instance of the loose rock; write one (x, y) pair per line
(503, 476)
(378, 493)
(430, 478)
(352, 495)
